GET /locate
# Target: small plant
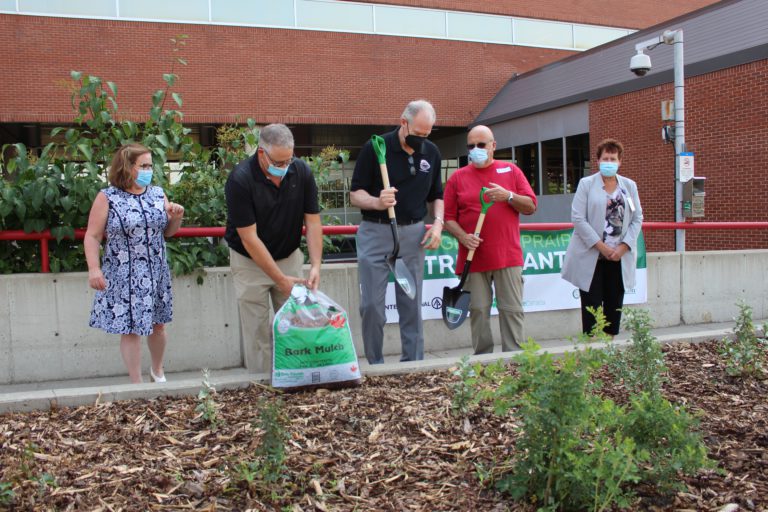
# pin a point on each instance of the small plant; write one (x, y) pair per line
(6, 493)
(640, 366)
(744, 355)
(271, 451)
(463, 389)
(597, 334)
(206, 405)
(45, 481)
(268, 465)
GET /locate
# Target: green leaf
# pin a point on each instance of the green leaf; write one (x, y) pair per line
(157, 98)
(181, 61)
(169, 78)
(177, 98)
(163, 139)
(86, 151)
(113, 88)
(66, 203)
(76, 75)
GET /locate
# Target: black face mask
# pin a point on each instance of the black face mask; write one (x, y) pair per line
(415, 142)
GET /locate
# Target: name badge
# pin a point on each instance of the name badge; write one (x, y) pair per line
(502, 170)
(629, 201)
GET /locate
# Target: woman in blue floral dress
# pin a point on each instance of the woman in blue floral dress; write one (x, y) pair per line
(133, 282)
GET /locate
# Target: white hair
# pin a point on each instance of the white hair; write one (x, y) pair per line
(416, 106)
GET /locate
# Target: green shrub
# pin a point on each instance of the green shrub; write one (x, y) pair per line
(744, 355)
(668, 434)
(576, 449)
(640, 365)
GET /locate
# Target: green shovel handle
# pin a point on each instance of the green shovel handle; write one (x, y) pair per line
(379, 147)
(485, 204)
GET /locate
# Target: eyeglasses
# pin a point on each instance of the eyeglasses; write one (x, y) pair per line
(145, 167)
(283, 164)
(413, 165)
(481, 145)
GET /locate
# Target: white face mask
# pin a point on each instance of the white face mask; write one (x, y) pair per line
(478, 155)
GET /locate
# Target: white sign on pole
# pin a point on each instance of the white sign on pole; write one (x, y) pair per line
(685, 164)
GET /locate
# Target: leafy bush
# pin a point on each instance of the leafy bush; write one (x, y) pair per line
(578, 450)
(640, 365)
(744, 355)
(55, 189)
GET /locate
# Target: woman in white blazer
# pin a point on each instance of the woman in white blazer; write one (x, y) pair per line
(602, 254)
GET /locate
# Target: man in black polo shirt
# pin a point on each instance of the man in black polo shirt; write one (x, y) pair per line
(413, 163)
(270, 197)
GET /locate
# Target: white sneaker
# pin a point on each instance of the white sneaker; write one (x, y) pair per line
(155, 378)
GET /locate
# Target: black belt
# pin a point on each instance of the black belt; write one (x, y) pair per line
(400, 222)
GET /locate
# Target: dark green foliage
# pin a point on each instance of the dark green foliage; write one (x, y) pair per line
(578, 450)
(55, 189)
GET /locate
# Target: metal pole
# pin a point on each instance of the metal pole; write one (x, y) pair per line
(677, 42)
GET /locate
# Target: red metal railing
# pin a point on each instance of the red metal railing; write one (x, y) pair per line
(44, 236)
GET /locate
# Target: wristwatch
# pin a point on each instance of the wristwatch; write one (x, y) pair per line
(511, 197)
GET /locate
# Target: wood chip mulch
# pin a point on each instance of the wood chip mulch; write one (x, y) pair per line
(391, 444)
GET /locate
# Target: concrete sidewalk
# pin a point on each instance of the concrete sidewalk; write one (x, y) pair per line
(44, 395)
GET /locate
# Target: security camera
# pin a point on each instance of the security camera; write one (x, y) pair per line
(640, 64)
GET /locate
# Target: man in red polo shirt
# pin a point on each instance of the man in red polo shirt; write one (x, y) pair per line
(498, 258)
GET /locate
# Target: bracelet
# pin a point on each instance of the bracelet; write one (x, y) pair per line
(511, 196)
(440, 219)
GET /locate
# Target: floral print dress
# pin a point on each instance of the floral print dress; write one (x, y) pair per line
(138, 293)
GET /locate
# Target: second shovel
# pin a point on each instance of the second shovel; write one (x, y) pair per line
(403, 276)
(455, 300)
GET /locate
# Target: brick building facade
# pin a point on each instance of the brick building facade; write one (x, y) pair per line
(727, 130)
(726, 120)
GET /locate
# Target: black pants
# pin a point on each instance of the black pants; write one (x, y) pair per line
(607, 290)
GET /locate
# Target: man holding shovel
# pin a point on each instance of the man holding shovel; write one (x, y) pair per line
(411, 164)
(498, 255)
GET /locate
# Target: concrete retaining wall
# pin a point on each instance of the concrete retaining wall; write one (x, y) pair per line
(44, 333)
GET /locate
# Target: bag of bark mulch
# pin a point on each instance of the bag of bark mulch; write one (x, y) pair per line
(312, 344)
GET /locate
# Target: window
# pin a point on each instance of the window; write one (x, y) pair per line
(552, 167)
(418, 22)
(73, 7)
(577, 163)
(340, 16)
(191, 10)
(543, 33)
(527, 159)
(477, 27)
(257, 12)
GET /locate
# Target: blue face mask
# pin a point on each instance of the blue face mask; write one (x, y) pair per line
(609, 169)
(144, 178)
(478, 155)
(277, 171)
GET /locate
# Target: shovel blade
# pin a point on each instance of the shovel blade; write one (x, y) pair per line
(403, 277)
(455, 306)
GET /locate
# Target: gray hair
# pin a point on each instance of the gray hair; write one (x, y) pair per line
(277, 135)
(416, 106)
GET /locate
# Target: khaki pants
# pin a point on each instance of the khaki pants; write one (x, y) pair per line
(254, 289)
(508, 283)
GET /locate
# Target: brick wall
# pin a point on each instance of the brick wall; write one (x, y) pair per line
(726, 126)
(616, 13)
(291, 76)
